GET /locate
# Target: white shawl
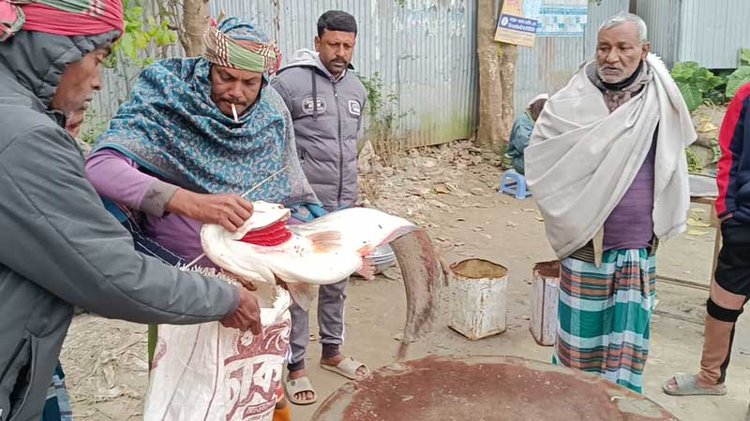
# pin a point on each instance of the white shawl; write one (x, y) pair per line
(581, 159)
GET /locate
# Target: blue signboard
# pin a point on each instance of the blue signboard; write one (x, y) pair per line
(516, 23)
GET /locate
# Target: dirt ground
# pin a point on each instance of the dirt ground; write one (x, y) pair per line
(452, 191)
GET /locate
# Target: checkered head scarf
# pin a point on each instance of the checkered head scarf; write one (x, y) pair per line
(236, 44)
(61, 17)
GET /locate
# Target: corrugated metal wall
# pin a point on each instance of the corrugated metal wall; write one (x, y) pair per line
(597, 15)
(545, 68)
(663, 33)
(549, 65)
(424, 52)
(710, 32)
(713, 31)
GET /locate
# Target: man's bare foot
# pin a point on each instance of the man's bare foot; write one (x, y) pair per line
(334, 361)
(307, 395)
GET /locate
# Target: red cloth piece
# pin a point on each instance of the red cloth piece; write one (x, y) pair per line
(103, 16)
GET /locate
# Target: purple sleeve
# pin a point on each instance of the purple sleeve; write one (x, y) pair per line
(118, 178)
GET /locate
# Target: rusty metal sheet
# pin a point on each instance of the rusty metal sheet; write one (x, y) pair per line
(491, 388)
(423, 274)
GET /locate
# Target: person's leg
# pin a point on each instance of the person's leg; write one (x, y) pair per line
(723, 310)
(299, 339)
(729, 292)
(599, 307)
(583, 305)
(730, 289)
(634, 292)
(331, 302)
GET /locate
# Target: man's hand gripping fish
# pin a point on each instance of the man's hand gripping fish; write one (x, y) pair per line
(326, 251)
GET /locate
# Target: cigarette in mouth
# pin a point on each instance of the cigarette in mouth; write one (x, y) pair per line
(234, 113)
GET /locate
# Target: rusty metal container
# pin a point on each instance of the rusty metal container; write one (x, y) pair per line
(485, 388)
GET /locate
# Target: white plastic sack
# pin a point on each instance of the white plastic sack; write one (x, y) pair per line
(209, 372)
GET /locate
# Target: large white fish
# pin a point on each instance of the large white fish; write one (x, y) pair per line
(321, 252)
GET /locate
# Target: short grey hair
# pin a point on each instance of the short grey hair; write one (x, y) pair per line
(624, 17)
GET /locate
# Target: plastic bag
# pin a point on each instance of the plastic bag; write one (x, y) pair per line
(209, 372)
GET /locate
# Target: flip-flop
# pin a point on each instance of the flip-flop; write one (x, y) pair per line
(348, 368)
(686, 387)
(302, 384)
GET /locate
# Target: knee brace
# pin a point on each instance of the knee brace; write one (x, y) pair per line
(722, 314)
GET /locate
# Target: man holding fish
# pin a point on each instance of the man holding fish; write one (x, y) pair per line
(326, 100)
(59, 245)
(176, 154)
(198, 141)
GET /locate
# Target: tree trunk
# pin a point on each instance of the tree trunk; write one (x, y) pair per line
(497, 67)
(195, 21)
(508, 59)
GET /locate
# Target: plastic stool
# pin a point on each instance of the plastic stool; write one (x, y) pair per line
(514, 184)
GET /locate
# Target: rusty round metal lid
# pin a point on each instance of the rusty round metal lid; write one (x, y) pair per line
(484, 388)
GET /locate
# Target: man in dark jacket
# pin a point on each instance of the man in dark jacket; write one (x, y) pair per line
(730, 287)
(326, 100)
(59, 246)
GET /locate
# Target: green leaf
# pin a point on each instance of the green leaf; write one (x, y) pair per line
(745, 57)
(692, 95)
(133, 26)
(142, 40)
(736, 80)
(684, 71)
(163, 38)
(705, 80)
(134, 14)
(127, 43)
(715, 97)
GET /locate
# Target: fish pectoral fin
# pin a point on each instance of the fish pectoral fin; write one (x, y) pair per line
(366, 250)
(303, 294)
(367, 270)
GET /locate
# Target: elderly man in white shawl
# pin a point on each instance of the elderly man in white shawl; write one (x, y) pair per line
(607, 166)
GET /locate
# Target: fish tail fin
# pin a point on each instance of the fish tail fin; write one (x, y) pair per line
(325, 241)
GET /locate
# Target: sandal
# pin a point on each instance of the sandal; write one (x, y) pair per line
(300, 385)
(685, 386)
(348, 368)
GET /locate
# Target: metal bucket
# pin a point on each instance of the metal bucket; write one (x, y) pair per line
(382, 258)
(485, 388)
(545, 294)
(478, 298)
